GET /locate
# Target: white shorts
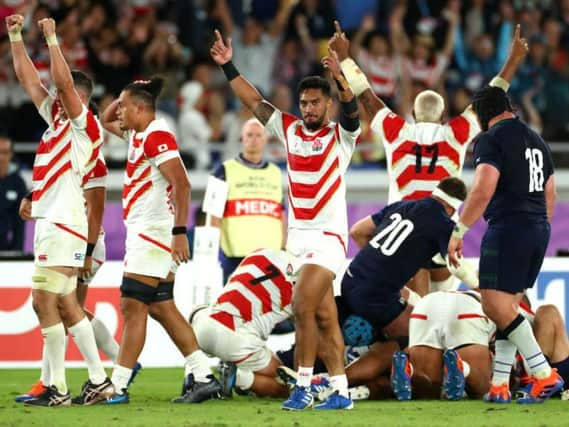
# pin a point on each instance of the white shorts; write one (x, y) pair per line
(324, 248)
(448, 320)
(148, 252)
(59, 244)
(99, 257)
(241, 346)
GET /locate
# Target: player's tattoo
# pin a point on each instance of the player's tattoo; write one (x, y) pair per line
(264, 111)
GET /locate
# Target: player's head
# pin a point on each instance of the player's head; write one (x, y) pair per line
(451, 192)
(253, 137)
(315, 101)
(489, 102)
(137, 102)
(429, 106)
(6, 153)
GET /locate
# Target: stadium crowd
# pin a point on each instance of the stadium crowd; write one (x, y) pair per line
(406, 46)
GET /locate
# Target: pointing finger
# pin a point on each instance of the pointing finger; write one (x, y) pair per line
(517, 32)
(337, 27)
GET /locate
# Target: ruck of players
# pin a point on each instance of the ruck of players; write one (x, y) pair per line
(398, 326)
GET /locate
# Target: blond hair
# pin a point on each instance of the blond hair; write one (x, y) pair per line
(428, 106)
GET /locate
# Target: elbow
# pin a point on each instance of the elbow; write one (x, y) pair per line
(64, 85)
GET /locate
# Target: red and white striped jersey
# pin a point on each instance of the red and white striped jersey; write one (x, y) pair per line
(146, 193)
(259, 292)
(316, 163)
(420, 155)
(381, 72)
(97, 177)
(66, 153)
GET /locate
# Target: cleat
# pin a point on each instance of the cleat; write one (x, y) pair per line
(401, 372)
(359, 393)
(50, 397)
(523, 391)
(300, 398)
(91, 393)
(119, 398)
(37, 390)
(197, 392)
(352, 353)
(227, 376)
(453, 381)
(135, 371)
(334, 402)
(541, 389)
(498, 394)
(287, 376)
(320, 388)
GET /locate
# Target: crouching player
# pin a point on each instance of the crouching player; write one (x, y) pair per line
(236, 327)
(448, 346)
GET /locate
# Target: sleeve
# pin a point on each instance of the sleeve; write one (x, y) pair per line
(378, 216)
(279, 123)
(387, 125)
(48, 109)
(219, 172)
(464, 128)
(160, 146)
(487, 151)
(97, 177)
(549, 166)
(348, 139)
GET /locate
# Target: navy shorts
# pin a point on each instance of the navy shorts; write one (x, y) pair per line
(511, 255)
(379, 307)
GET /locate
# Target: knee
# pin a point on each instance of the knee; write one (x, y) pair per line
(155, 312)
(303, 310)
(548, 314)
(42, 306)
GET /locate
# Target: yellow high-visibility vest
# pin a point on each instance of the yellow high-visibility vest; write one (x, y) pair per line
(253, 211)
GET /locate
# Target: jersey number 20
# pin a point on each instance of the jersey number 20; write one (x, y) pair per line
(393, 235)
(535, 159)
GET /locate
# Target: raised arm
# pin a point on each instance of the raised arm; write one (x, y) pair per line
(281, 18)
(25, 70)
(518, 51)
(452, 16)
(175, 173)
(110, 120)
(340, 46)
(367, 25)
(245, 91)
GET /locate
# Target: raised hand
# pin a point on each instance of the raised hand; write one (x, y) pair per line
(220, 52)
(332, 63)
(519, 47)
(47, 25)
(339, 43)
(14, 23)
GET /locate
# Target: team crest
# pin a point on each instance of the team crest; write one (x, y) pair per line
(131, 156)
(316, 146)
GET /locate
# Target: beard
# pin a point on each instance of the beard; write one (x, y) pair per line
(314, 125)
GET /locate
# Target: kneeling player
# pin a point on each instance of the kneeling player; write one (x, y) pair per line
(448, 345)
(236, 328)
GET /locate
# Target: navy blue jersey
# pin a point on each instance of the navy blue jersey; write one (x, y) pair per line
(525, 164)
(408, 235)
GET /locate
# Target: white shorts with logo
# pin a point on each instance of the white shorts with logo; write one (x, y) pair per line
(324, 248)
(59, 244)
(99, 257)
(241, 346)
(148, 252)
(448, 320)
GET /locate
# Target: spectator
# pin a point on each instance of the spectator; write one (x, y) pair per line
(193, 127)
(12, 191)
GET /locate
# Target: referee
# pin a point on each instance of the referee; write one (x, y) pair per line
(514, 187)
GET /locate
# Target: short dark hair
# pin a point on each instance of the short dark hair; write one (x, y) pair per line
(314, 82)
(146, 91)
(489, 102)
(454, 187)
(83, 82)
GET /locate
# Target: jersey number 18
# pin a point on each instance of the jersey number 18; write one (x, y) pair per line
(394, 235)
(535, 159)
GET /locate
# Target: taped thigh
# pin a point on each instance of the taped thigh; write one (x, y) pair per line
(46, 279)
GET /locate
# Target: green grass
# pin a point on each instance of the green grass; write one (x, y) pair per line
(154, 387)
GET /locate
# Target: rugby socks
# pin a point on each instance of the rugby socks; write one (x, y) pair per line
(505, 353)
(54, 346)
(197, 364)
(104, 339)
(83, 336)
(339, 383)
(304, 376)
(244, 379)
(520, 333)
(120, 378)
(45, 374)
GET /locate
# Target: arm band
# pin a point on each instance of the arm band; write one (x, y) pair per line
(355, 77)
(51, 40)
(351, 124)
(459, 230)
(500, 82)
(179, 230)
(15, 37)
(90, 249)
(230, 71)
